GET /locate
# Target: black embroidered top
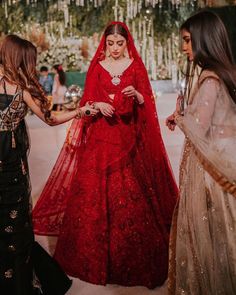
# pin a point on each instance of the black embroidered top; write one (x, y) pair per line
(14, 141)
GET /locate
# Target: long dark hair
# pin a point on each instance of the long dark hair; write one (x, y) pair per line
(61, 74)
(18, 60)
(211, 47)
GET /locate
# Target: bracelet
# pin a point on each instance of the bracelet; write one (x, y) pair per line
(177, 116)
(79, 114)
(94, 106)
(139, 102)
(91, 103)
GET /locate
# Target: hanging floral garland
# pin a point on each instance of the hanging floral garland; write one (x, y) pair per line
(57, 28)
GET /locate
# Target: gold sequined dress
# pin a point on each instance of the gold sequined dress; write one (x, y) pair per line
(203, 238)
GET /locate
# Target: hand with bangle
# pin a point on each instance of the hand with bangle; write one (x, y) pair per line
(87, 110)
(172, 119)
(130, 91)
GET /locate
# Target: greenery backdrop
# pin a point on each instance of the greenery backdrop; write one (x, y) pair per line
(35, 20)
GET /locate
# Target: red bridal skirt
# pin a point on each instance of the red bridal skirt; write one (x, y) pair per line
(118, 209)
(114, 229)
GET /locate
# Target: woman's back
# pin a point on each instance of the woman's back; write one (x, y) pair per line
(13, 135)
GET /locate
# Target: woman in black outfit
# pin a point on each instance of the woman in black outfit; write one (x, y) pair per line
(19, 89)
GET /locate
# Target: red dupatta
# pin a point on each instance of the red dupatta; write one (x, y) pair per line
(49, 210)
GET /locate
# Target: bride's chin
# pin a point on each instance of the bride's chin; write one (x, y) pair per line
(116, 57)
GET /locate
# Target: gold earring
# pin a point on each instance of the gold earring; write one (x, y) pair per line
(107, 54)
(126, 54)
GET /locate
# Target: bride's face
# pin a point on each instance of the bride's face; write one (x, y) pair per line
(116, 45)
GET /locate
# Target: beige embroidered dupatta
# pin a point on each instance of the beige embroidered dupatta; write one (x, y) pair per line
(203, 238)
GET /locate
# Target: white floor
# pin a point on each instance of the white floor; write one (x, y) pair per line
(45, 146)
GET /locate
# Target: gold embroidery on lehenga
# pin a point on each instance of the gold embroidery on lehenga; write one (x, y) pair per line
(172, 251)
(227, 185)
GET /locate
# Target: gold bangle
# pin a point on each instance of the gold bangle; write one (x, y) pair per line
(95, 106)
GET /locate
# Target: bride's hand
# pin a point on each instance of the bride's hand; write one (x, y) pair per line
(129, 91)
(105, 108)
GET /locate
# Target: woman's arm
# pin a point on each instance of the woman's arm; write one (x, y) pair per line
(56, 119)
(170, 120)
(199, 114)
(142, 87)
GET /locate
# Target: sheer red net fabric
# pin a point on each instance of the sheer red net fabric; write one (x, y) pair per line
(111, 194)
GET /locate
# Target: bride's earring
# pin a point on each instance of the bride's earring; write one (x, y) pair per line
(126, 53)
(107, 54)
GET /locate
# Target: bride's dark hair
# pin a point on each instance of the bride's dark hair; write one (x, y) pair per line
(116, 29)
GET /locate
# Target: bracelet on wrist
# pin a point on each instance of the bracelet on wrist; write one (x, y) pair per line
(138, 96)
(95, 106)
(177, 115)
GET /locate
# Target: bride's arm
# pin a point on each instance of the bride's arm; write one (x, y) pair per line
(130, 91)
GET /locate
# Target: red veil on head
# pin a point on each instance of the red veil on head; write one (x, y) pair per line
(49, 210)
(100, 53)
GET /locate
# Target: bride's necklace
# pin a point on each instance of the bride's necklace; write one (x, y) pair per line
(115, 79)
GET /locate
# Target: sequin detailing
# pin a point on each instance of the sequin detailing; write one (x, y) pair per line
(9, 229)
(16, 240)
(13, 214)
(119, 198)
(11, 248)
(8, 274)
(203, 254)
(11, 116)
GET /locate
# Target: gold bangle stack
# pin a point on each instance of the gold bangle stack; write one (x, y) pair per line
(93, 105)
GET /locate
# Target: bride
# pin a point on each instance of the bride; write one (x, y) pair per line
(111, 194)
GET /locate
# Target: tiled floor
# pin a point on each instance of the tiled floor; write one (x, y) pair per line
(45, 145)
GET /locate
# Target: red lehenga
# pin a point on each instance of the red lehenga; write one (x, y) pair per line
(111, 194)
